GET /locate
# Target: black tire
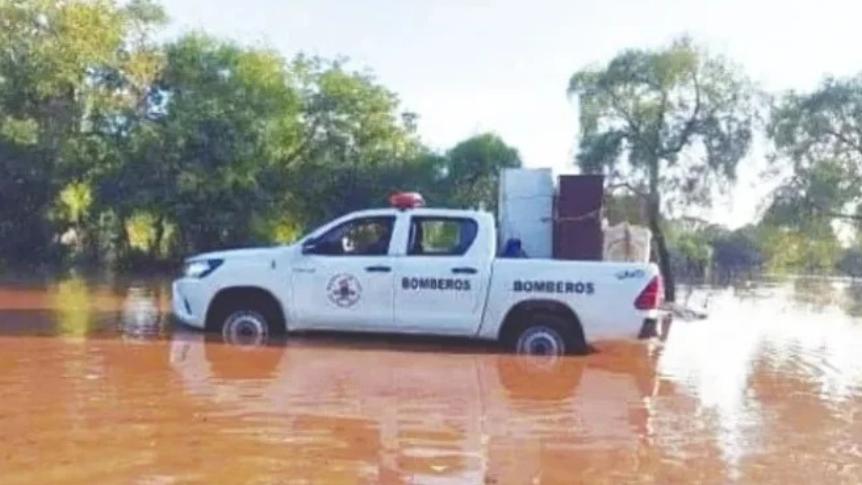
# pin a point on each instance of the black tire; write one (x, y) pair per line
(247, 321)
(546, 334)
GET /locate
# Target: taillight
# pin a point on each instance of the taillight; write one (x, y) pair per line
(651, 297)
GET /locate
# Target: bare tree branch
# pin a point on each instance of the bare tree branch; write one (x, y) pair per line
(847, 141)
(305, 144)
(838, 215)
(631, 188)
(616, 103)
(696, 220)
(690, 125)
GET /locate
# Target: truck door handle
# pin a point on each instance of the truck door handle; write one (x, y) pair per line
(464, 270)
(378, 269)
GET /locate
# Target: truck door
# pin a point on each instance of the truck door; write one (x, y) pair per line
(344, 278)
(440, 282)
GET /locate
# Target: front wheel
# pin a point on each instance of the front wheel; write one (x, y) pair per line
(246, 327)
(547, 335)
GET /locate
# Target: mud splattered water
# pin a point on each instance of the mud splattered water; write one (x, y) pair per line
(98, 387)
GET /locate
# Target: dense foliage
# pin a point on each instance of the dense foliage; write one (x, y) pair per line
(116, 147)
(670, 126)
(672, 123)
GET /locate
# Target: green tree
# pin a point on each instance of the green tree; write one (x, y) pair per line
(850, 262)
(688, 241)
(211, 154)
(356, 146)
(669, 123)
(620, 206)
(820, 134)
(60, 63)
(813, 249)
(128, 146)
(798, 222)
(690, 253)
(738, 251)
(473, 170)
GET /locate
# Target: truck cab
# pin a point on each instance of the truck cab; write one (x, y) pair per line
(416, 270)
(405, 271)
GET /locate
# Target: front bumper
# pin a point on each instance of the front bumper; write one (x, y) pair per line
(186, 303)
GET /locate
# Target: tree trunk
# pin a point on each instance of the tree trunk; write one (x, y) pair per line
(121, 239)
(663, 255)
(156, 248)
(654, 216)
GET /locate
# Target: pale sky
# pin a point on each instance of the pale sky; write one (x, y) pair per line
(503, 66)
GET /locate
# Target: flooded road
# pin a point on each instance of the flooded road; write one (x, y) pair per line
(97, 386)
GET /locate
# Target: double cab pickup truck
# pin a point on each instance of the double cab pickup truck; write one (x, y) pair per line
(418, 271)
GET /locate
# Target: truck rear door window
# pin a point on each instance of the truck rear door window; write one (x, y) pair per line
(441, 236)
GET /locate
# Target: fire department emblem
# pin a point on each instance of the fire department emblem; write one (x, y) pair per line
(344, 290)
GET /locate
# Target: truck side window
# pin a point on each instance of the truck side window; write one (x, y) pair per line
(441, 236)
(368, 236)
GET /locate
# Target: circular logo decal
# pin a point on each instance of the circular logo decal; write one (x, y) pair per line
(344, 290)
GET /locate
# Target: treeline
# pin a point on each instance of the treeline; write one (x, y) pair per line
(705, 251)
(700, 250)
(669, 128)
(115, 148)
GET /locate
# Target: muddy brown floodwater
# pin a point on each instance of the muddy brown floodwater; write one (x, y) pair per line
(98, 387)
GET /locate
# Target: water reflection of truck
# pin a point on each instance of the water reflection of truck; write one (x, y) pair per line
(409, 269)
(425, 414)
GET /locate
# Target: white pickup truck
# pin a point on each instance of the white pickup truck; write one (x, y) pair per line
(418, 271)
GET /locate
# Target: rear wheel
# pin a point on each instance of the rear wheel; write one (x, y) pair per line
(546, 335)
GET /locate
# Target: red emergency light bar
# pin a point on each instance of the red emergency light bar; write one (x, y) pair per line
(406, 200)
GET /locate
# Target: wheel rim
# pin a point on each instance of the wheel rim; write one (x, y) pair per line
(541, 341)
(245, 328)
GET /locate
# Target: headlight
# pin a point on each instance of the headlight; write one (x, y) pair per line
(201, 267)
